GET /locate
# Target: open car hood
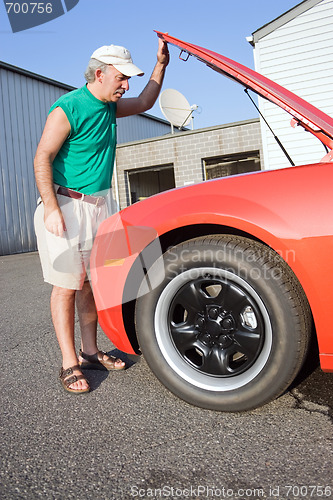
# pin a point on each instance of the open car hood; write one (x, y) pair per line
(308, 116)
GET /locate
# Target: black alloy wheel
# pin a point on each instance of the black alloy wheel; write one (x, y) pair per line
(216, 325)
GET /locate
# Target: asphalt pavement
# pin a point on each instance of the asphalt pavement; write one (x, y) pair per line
(129, 437)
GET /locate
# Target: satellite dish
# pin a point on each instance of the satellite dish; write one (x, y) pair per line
(176, 108)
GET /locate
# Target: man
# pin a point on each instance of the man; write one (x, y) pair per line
(73, 170)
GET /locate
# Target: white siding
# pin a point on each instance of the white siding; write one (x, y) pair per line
(299, 56)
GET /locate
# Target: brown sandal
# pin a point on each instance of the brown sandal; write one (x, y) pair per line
(66, 382)
(97, 362)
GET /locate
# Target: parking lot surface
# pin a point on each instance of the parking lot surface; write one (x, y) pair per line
(131, 438)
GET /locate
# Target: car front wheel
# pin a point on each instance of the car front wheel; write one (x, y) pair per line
(228, 327)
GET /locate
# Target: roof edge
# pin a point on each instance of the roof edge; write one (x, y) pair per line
(35, 76)
(283, 19)
(190, 132)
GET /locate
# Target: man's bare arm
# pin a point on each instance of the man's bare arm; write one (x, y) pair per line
(148, 96)
(57, 129)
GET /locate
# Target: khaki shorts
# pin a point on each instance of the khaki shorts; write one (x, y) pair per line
(65, 260)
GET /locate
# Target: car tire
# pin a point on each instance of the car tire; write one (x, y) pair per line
(228, 327)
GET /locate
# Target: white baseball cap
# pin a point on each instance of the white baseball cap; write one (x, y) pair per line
(119, 57)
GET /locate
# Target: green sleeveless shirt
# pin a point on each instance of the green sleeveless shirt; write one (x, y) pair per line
(85, 160)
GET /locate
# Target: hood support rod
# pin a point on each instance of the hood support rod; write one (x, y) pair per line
(270, 128)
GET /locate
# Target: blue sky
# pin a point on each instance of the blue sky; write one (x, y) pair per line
(60, 49)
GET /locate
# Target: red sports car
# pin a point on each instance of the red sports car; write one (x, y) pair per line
(221, 284)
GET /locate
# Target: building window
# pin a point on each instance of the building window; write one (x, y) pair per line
(146, 182)
(240, 163)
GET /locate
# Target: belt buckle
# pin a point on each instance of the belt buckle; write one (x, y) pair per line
(97, 201)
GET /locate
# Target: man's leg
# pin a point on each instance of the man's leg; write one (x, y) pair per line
(88, 318)
(63, 314)
(86, 309)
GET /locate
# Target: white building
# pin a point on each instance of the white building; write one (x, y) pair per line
(296, 51)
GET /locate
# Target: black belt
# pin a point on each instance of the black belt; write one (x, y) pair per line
(94, 200)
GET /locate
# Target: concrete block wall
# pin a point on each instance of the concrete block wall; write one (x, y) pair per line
(186, 152)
